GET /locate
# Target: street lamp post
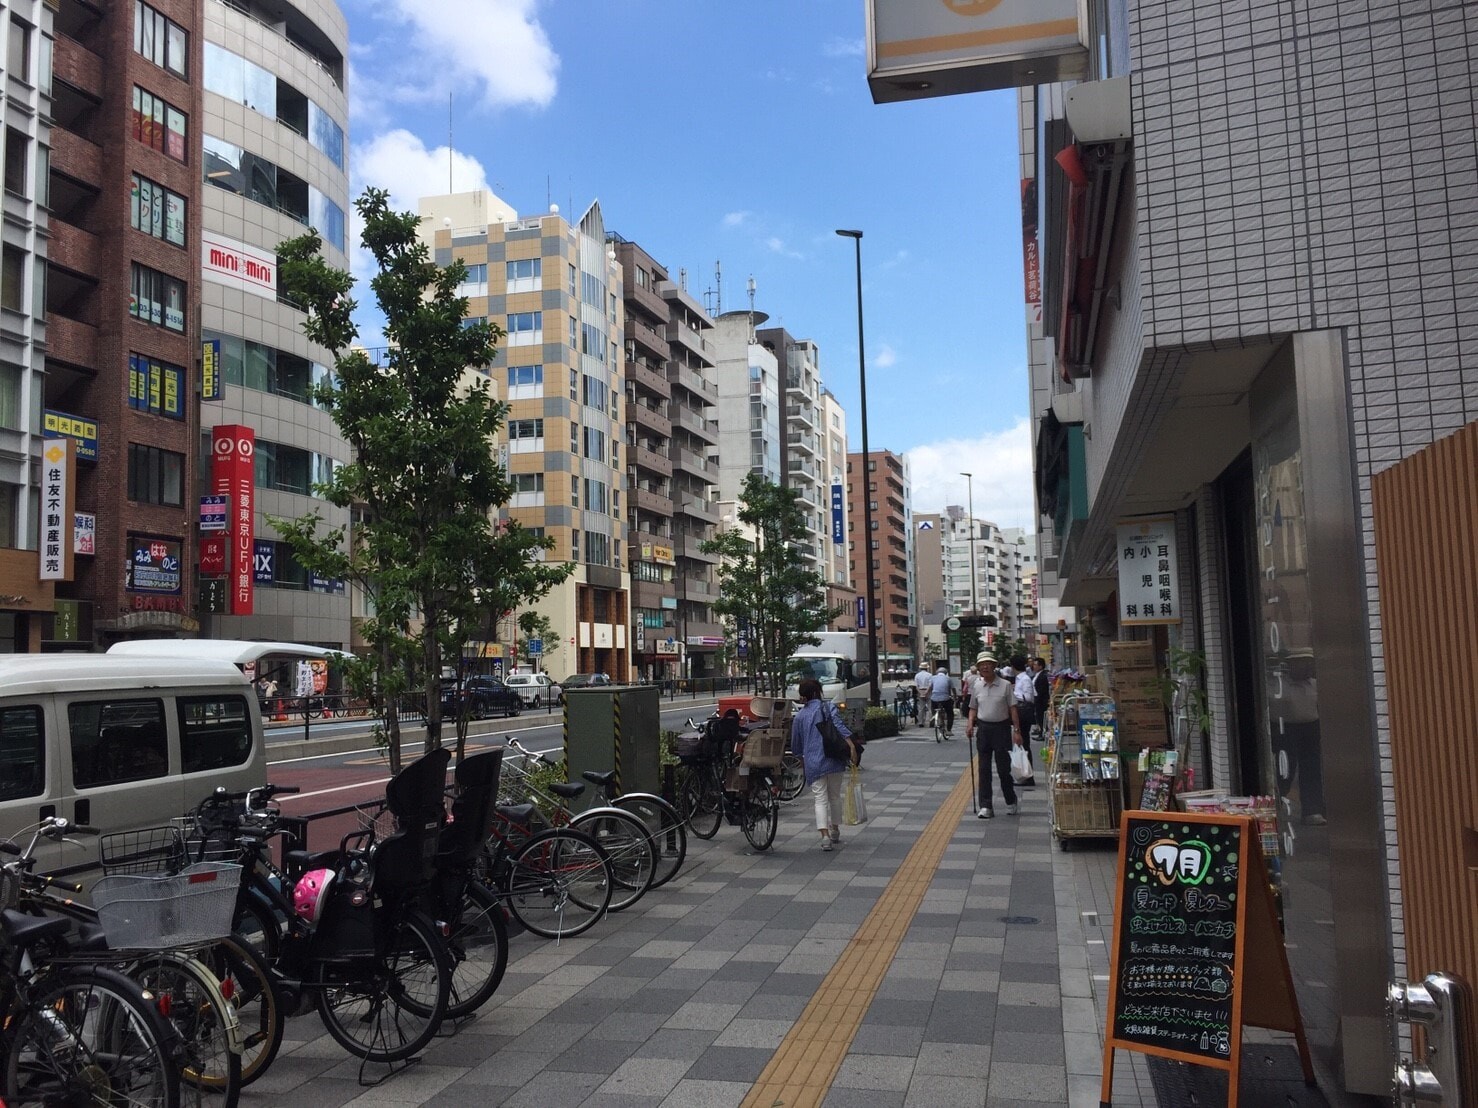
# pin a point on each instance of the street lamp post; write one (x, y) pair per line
(872, 614)
(970, 508)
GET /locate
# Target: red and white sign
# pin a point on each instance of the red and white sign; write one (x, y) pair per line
(233, 475)
(213, 555)
(237, 265)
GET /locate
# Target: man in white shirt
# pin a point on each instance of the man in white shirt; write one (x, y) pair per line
(923, 681)
(942, 697)
(992, 717)
(1026, 694)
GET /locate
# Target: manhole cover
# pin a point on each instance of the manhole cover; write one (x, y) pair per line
(1020, 919)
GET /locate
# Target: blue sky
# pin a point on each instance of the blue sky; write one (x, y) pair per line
(742, 134)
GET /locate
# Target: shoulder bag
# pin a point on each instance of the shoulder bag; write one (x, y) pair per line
(832, 741)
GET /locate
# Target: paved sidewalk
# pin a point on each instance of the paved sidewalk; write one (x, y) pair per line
(991, 997)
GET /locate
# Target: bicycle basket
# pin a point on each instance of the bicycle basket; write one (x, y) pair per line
(154, 912)
(149, 850)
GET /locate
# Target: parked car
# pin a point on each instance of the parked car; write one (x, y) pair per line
(535, 688)
(585, 680)
(484, 696)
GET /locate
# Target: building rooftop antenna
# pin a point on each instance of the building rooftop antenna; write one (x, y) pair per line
(750, 287)
(713, 299)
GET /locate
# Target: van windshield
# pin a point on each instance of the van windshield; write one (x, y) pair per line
(825, 670)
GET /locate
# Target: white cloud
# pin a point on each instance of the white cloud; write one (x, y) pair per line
(776, 245)
(400, 163)
(1001, 462)
(885, 357)
(844, 47)
(735, 219)
(498, 45)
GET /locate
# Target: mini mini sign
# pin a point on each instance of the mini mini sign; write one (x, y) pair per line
(1149, 578)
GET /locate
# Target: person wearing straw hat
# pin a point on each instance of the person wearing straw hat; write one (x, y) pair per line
(994, 724)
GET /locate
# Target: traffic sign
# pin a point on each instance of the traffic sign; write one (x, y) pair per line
(952, 623)
(535, 647)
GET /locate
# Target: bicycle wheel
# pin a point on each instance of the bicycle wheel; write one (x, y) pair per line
(700, 801)
(190, 997)
(256, 924)
(236, 963)
(792, 776)
(939, 727)
(478, 945)
(761, 814)
(629, 846)
(386, 1009)
(89, 1038)
(558, 883)
(666, 828)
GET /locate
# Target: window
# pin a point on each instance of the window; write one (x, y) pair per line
(236, 170)
(159, 39)
(595, 444)
(597, 549)
(155, 476)
(574, 333)
(215, 732)
(17, 157)
(22, 753)
(596, 393)
(528, 490)
(525, 376)
(290, 468)
(592, 341)
(574, 546)
(572, 281)
(593, 291)
(232, 77)
(264, 368)
(525, 436)
(526, 329)
(595, 496)
(117, 740)
(18, 61)
(159, 125)
(525, 275)
(157, 299)
(156, 211)
(476, 281)
(10, 398)
(155, 386)
(643, 278)
(13, 278)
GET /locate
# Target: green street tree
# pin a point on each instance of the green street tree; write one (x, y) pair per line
(423, 480)
(765, 590)
(536, 626)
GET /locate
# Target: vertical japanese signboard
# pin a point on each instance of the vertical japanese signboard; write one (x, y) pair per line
(210, 369)
(1197, 953)
(1149, 578)
(58, 479)
(837, 535)
(233, 463)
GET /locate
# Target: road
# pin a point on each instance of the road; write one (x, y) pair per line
(358, 776)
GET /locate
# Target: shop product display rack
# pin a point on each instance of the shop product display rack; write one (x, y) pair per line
(1084, 791)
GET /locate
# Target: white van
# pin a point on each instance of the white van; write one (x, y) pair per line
(120, 743)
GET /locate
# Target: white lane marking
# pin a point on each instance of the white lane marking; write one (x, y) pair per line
(335, 789)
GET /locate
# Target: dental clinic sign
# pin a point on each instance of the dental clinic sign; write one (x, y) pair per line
(923, 48)
(237, 265)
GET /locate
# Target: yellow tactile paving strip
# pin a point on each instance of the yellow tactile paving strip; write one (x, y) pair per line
(806, 1062)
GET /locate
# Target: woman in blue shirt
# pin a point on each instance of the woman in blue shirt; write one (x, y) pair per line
(823, 773)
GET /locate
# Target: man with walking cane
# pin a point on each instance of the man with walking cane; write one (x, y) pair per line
(994, 724)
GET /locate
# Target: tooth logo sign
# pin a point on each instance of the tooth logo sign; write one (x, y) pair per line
(1171, 862)
(971, 7)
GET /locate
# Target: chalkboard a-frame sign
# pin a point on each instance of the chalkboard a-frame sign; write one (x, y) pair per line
(1197, 952)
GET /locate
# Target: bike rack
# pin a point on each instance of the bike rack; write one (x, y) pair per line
(1442, 1007)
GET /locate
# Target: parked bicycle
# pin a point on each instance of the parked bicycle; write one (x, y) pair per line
(660, 818)
(715, 782)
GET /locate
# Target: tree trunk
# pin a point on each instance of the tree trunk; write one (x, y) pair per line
(431, 659)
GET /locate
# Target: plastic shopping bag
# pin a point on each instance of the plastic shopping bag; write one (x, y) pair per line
(1021, 766)
(854, 807)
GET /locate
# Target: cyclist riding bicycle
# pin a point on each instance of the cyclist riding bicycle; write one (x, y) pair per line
(942, 696)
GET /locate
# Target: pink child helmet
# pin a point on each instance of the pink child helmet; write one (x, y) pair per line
(311, 893)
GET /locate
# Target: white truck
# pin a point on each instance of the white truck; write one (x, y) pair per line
(838, 659)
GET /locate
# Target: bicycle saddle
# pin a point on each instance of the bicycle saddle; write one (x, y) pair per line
(604, 780)
(23, 930)
(567, 789)
(299, 861)
(520, 814)
(91, 936)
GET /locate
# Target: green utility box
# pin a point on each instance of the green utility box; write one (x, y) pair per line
(614, 728)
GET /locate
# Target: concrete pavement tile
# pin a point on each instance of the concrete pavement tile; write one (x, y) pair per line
(551, 1035)
(792, 984)
(702, 960)
(978, 944)
(1084, 1053)
(574, 975)
(542, 996)
(901, 1013)
(459, 1095)
(969, 981)
(905, 989)
(662, 948)
(1041, 1020)
(1023, 1081)
(953, 1059)
(1023, 1046)
(702, 1016)
(819, 964)
(874, 1071)
(668, 911)
(764, 1007)
(556, 1089)
(731, 1063)
(738, 970)
(657, 1000)
(672, 1042)
(613, 987)
(508, 1067)
(1084, 1092)
(458, 1050)
(289, 1071)
(726, 992)
(410, 1087)
(934, 1091)
(1030, 993)
(595, 1055)
(690, 1093)
(754, 1032)
(1080, 1014)
(655, 1077)
(890, 1039)
(690, 980)
(916, 969)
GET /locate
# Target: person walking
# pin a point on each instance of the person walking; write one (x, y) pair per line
(1042, 696)
(1025, 691)
(923, 681)
(995, 725)
(942, 697)
(823, 772)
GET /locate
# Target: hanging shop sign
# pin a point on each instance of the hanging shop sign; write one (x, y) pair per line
(154, 566)
(65, 425)
(925, 48)
(1149, 577)
(1197, 953)
(213, 555)
(210, 369)
(838, 534)
(84, 533)
(213, 513)
(233, 475)
(58, 487)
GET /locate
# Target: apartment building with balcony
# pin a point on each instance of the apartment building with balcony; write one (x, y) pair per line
(751, 424)
(882, 477)
(555, 287)
(27, 595)
(670, 429)
(836, 561)
(1003, 562)
(274, 163)
(803, 455)
(122, 293)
